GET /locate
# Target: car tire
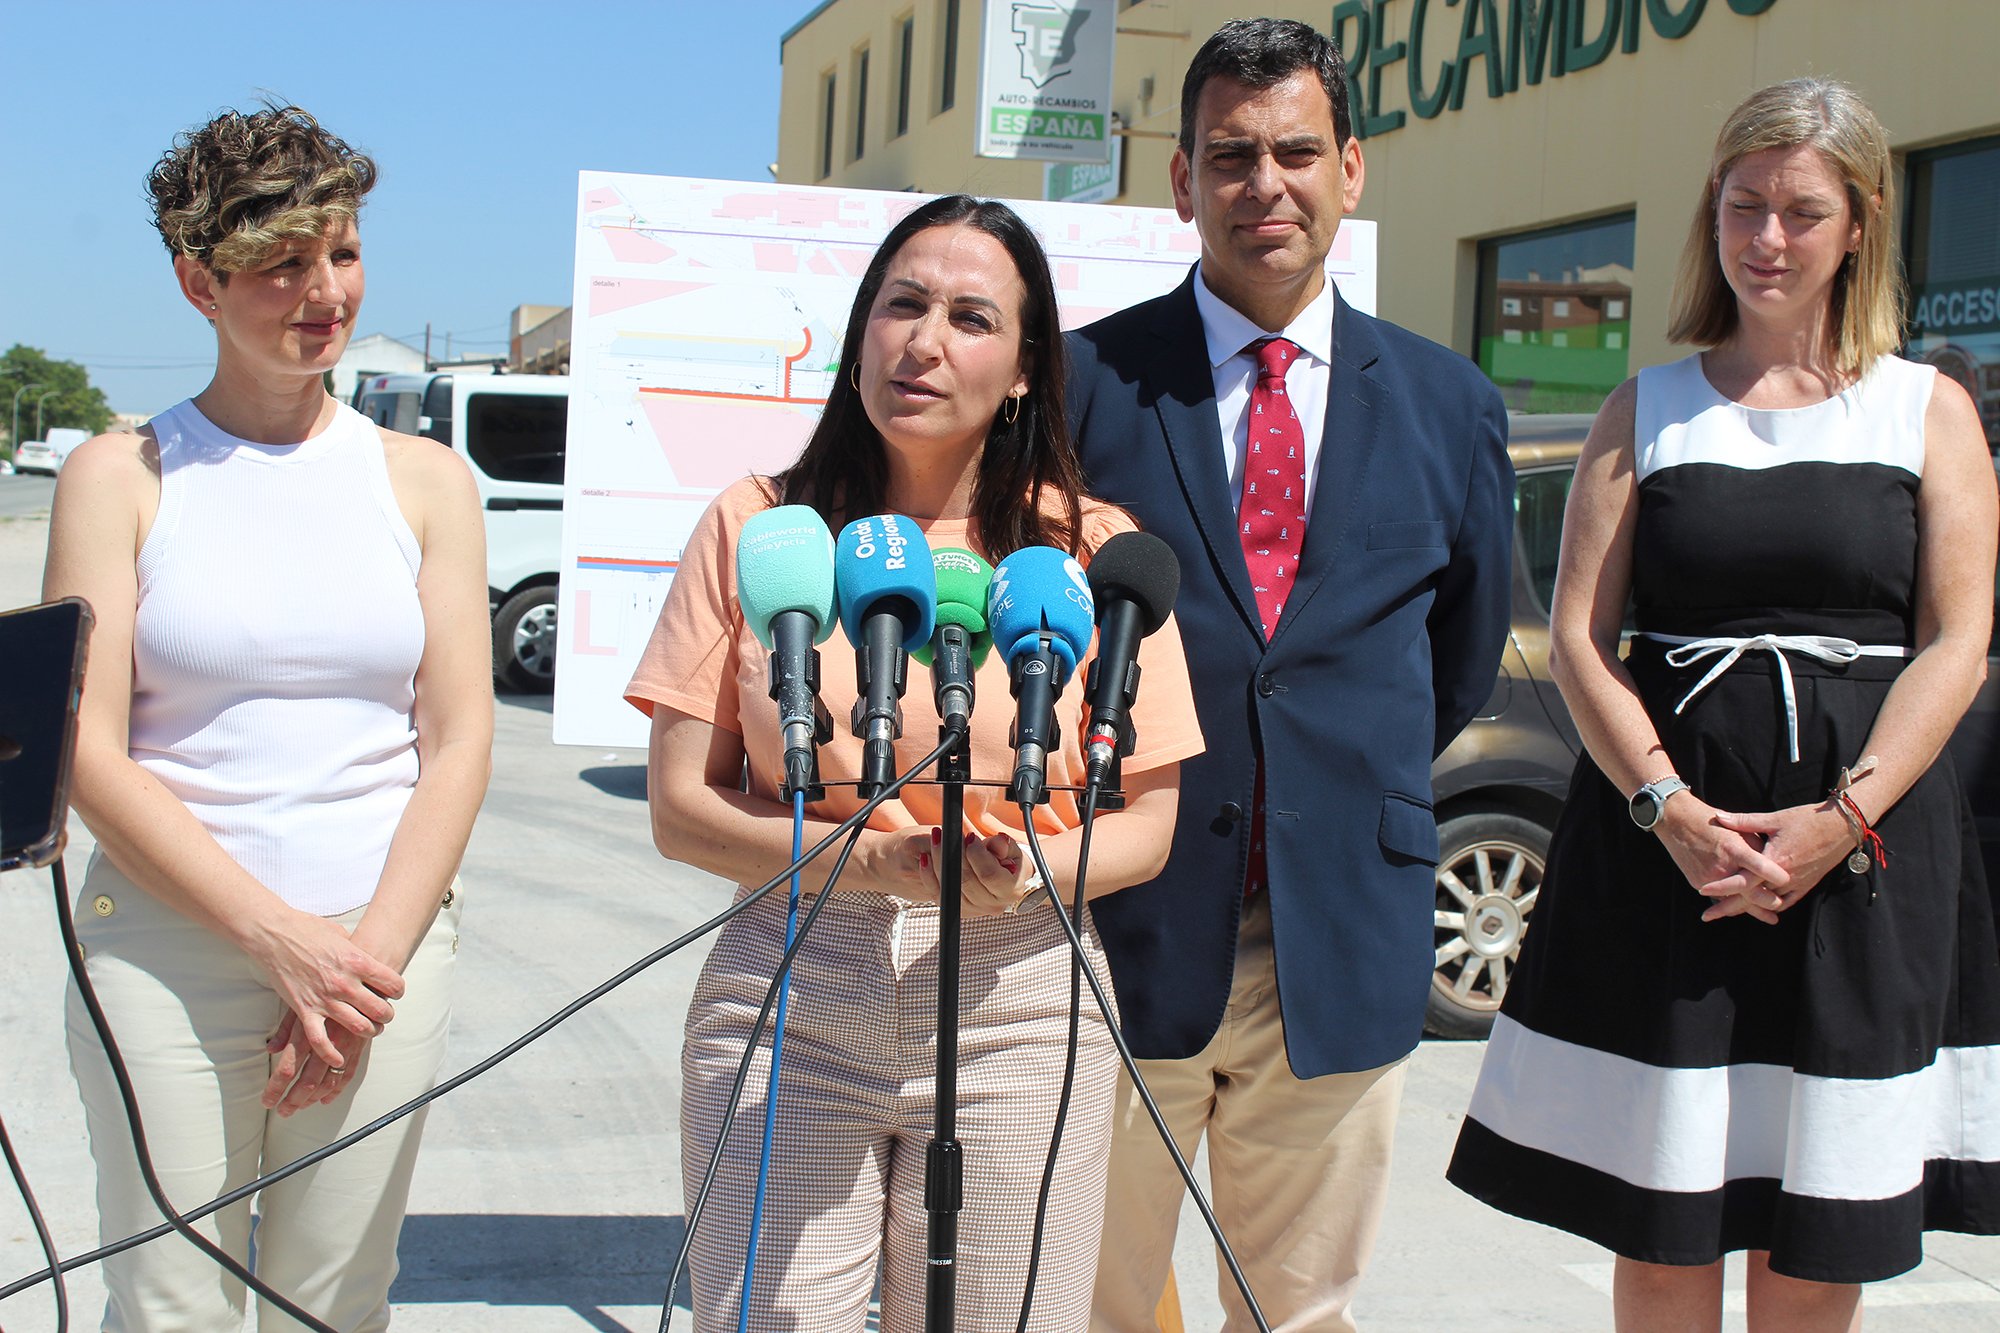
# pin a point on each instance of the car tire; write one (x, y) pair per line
(1489, 875)
(524, 641)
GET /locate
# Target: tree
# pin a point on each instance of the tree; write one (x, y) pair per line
(75, 401)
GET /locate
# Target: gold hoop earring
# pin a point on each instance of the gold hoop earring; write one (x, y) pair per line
(854, 376)
(1014, 401)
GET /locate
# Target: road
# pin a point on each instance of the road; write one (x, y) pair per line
(25, 496)
(547, 1197)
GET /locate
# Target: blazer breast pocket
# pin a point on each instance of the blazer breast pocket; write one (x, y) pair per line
(1414, 532)
(1409, 829)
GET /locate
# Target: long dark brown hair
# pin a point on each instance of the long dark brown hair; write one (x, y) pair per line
(843, 471)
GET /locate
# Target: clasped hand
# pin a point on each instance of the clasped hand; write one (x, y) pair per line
(1753, 864)
(337, 996)
(994, 880)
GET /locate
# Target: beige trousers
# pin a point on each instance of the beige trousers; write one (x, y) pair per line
(854, 1117)
(191, 1016)
(1298, 1169)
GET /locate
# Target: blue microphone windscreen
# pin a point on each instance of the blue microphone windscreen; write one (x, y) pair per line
(1039, 590)
(784, 562)
(885, 556)
(963, 580)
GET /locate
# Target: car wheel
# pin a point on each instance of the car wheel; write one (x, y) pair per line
(1488, 877)
(524, 641)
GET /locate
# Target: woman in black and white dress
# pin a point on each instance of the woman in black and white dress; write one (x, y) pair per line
(1760, 1008)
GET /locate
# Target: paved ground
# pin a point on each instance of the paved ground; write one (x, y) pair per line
(547, 1197)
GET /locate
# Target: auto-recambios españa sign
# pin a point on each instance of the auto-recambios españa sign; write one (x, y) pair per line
(1045, 80)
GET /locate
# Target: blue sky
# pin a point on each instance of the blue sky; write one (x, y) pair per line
(478, 114)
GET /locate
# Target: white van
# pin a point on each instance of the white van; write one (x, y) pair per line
(511, 429)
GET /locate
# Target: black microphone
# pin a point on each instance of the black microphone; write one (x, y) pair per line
(1134, 579)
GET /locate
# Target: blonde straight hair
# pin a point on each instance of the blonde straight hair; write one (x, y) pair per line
(1868, 290)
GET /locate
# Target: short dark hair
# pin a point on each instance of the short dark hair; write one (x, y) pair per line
(1258, 53)
(843, 472)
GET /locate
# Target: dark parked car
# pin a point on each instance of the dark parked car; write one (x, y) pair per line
(1500, 786)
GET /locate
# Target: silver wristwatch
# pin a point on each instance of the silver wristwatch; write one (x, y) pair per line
(1650, 801)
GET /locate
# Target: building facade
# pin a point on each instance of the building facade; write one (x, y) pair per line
(1533, 164)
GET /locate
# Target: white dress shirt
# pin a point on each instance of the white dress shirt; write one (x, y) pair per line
(1229, 334)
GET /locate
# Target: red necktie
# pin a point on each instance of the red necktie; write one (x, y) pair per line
(1272, 521)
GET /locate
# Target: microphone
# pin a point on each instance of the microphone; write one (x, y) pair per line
(1040, 610)
(960, 642)
(887, 590)
(784, 583)
(1134, 578)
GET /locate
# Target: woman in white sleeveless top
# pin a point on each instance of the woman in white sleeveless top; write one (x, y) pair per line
(1739, 1026)
(286, 732)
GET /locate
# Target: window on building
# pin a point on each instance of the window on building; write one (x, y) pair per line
(860, 103)
(1543, 323)
(947, 65)
(1953, 249)
(828, 107)
(906, 47)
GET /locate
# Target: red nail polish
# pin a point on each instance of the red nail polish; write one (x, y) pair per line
(924, 860)
(937, 837)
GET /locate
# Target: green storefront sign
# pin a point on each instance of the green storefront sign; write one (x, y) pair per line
(1494, 44)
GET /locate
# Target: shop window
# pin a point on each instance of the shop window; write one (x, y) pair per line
(1544, 324)
(906, 46)
(860, 104)
(947, 64)
(1953, 247)
(829, 107)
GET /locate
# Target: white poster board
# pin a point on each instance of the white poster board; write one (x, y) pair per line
(1045, 79)
(706, 328)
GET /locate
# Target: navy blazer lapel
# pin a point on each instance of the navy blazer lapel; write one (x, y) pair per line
(1182, 385)
(1356, 403)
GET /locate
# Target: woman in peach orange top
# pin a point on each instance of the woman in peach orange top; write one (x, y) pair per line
(949, 410)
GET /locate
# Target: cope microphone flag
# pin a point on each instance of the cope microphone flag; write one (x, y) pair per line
(887, 590)
(785, 582)
(1040, 610)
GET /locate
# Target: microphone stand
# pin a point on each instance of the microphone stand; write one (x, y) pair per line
(944, 1157)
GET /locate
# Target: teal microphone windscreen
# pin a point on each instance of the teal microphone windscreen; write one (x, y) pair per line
(962, 583)
(784, 562)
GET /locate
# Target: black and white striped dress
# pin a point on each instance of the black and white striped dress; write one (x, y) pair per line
(1828, 1088)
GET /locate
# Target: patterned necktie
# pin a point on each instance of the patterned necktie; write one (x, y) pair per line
(1272, 521)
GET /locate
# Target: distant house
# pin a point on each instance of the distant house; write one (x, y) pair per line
(376, 354)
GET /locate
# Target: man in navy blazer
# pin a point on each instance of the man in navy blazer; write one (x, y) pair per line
(1274, 1011)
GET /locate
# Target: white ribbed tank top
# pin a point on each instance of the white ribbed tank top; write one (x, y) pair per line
(275, 651)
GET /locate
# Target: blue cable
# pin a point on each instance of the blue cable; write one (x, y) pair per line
(771, 1093)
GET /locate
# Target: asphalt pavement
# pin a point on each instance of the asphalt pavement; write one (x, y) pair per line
(548, 1195)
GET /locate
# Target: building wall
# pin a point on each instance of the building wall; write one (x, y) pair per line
(1630, 134)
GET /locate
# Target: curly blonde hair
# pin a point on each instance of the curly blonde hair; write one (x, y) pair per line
(1867, 292)
(231, 191)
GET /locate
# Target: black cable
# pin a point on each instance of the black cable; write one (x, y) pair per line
(820, 900)
(1146, 1097)
(734, 1104)
(382, 1122)
(126, 1095)
(41, 1227)
(1069, 1057)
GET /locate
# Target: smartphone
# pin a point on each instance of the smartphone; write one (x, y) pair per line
(42, 652)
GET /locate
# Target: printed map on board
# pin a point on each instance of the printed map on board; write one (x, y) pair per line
(705, 331)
